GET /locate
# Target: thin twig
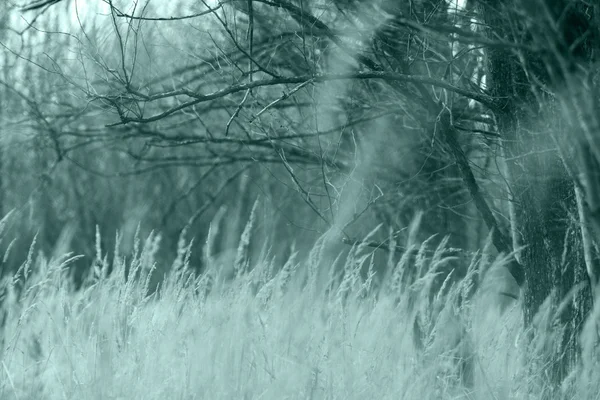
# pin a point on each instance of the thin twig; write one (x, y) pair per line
(280, 99)
(235, 114)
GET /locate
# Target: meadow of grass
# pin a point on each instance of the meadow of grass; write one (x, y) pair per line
(309, 329)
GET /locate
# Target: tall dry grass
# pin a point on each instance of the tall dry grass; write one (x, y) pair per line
(314, 328)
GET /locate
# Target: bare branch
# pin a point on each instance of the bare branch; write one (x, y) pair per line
(386, 76)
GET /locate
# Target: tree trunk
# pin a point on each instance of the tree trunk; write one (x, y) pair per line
(542, 200)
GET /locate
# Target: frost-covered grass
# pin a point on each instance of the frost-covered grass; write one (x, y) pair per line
(270, 332)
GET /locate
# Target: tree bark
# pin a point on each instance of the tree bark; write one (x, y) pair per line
(542, 194)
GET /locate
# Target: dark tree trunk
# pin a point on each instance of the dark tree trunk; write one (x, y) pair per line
(542, 194)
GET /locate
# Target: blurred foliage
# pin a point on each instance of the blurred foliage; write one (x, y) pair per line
(99, 112)
(332, 114)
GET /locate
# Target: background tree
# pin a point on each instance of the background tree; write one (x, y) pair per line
(549, 43)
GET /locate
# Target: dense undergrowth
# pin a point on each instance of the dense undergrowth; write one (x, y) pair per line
(310, 329)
